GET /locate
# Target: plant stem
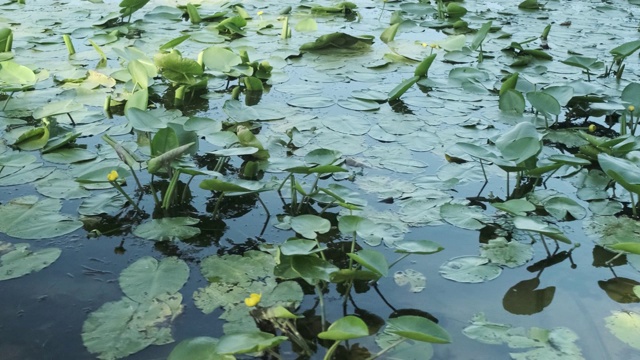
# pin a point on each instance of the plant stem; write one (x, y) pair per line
(381, 352)
(119, 188)
(321, 301)
(7, 101)
(633, 205)
(331, 350)
(167, 201)
(398, 260)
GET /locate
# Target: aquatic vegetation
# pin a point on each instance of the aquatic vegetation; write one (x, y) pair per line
(306, 217)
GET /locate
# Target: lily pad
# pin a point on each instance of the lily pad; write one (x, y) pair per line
(18, 260)
(466, 217)
(346, 328)
(415, 279)
(507, 253)
(124, 327)
(28, 218)
(470, 269)
(148, 278)
(625, 325)
(168, 229)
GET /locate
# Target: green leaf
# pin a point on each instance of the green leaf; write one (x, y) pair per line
(27, 218)
(512, 101)
(174, 42)
(198, 348)
(560, 206)
(544, 103)
(299, 247)
(622, 51)
(470, 269)
(164, 160)
(507, 253)
(18, 260)
(33, 139)
(515, 206)
(372, 260)
(346, 328)
(15, 77)
(423, 68)
(537, 226)
(630, 247)
(455, 10)
(625, 325)
(480, 35)
(139, 74)
(586, 63)
(310, 225)
(418, 328)
(389, 33)
(168, 229)
(220, 59)
(243, 343)
(128, 7)
(120, 328)
(417, 247)
(148, 278)
(509, 83)
(177, 69)
(137, 100)
(623, 171)
(399, 90)
(306, 25)
(520, 143)
(466, 217)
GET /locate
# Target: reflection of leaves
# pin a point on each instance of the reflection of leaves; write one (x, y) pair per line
(524, 299)
(620, 289)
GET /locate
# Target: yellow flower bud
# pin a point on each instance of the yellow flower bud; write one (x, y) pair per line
(592, 128)
(631, 108)
(424, 44)
(112, 176)
(435, 46)
(260, 13)
(252, 300)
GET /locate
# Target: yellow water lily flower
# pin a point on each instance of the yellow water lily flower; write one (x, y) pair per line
(253, 299)
(424, 44)
(113, 176)
(260, 13)
(592, 128)
(631, 108)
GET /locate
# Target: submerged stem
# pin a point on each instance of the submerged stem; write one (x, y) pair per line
(381, 352)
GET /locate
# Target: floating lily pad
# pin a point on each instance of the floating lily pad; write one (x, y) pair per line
(625, 325)
(28, 218)
(148, 278)
(124, 327)
(18, 260)
(470, 269)
(168, 229)
(311, 102)
(415, 279)
(508, 253)
(466, 217)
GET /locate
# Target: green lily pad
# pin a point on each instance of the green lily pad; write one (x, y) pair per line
(121, 328)
(311, 102)
(417, 247)
(372, 260)
(559, 207)
(470, 269)
(415, 279)
(346, 328)
(18, 260)
(515, 206)
(198, 348)
(625, 325)
(310, 225)
(507, 253)
(418, 328)
(28, 218)
(168, 229)
(466, 217)
(537, 226)
(248, 342)
(148, 278)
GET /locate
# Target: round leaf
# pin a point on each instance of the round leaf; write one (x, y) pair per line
(470, 269)
(419, 329)
(346, 328)
(147, 278)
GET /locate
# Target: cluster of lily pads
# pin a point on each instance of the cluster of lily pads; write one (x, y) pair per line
(478, 95)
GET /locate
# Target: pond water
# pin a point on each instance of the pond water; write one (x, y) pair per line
(421, 161)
